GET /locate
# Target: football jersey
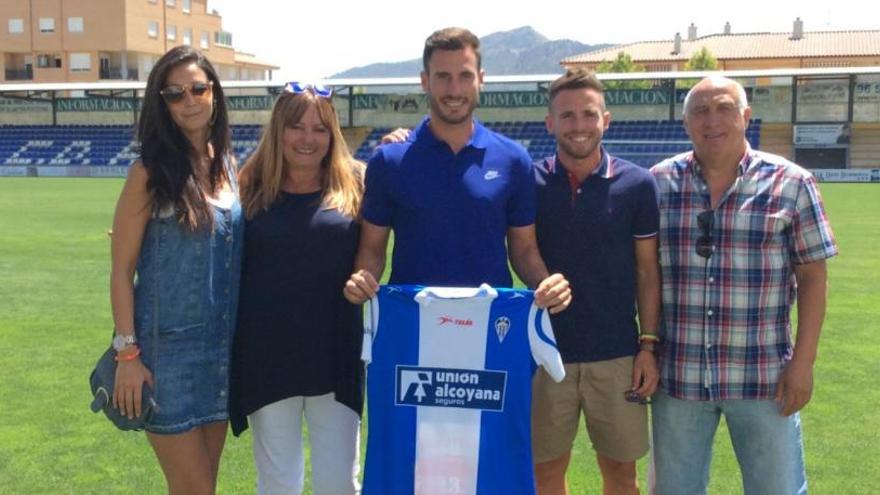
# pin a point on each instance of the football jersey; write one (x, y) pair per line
(449, 389)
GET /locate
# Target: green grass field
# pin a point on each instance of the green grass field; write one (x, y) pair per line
(55, 320)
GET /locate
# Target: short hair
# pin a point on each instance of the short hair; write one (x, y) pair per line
(578, 78)
(451, 38)
(742, 101)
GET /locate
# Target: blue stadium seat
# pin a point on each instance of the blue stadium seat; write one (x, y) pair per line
(644, 142)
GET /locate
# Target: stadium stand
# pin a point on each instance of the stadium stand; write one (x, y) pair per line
(90, 145)
(644, 142)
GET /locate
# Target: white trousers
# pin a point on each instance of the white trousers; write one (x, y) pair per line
(334, 441)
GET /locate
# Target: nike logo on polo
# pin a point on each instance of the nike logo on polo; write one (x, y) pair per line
(492, 174)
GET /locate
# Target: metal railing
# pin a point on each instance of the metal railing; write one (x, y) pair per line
(19, 74)
(116, 73)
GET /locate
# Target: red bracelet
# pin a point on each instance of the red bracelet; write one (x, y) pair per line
(129, 357)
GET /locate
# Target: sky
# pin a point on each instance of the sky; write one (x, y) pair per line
(314, 39)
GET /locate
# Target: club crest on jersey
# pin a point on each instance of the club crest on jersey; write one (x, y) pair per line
(502, 325)
(450, 387)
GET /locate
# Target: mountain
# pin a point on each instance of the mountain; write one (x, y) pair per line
(520, 51)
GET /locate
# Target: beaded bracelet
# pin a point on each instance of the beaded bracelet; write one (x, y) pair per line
(129, 357)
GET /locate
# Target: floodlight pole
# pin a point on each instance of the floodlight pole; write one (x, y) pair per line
(850, 111)
(134, 107)
(351, 106)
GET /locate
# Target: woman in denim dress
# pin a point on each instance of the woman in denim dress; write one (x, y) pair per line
(176, 257)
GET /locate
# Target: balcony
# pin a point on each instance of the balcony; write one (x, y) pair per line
(116, 73)
(19, 74)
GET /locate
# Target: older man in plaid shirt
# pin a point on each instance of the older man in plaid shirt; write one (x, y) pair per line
(743, 234)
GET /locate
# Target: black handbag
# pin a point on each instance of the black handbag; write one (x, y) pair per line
(101, 381)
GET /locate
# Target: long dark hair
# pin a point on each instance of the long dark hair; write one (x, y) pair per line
(166, 151)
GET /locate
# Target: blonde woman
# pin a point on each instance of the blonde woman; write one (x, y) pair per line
(297, 349)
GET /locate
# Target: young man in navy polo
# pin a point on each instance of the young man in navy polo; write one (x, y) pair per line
(453, 193)
(597, 224)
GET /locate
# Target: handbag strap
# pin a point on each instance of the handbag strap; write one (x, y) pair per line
(156, 317)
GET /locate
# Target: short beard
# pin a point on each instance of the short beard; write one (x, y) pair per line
(570, 151)
(437, 112)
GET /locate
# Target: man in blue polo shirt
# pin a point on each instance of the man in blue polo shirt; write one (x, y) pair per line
(597, 223)
(452, 194)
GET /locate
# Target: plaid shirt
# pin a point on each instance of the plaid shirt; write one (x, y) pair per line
(726, 327)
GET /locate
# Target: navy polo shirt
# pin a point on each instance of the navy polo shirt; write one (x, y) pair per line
(587, 232)
(450, 212)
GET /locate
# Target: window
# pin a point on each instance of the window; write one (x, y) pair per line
(47, 24)
(828, 63)
(205, 43)
(658, 67)
(16, 26)
(171, 3)
(171, 32)
(147, 64)
(223, 38)
(80, 62)
(152, 1)
(46, 61)
(186, 6)
(153, 29)
(188, 36)
(75, 24)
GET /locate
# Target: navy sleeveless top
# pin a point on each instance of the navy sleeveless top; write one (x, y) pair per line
(296, 335)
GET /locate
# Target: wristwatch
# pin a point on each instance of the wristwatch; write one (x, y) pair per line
(120, 342)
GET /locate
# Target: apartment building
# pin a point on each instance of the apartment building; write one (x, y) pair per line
(97, 40)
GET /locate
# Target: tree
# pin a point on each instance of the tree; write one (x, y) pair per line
(702, 59)
(623, 63)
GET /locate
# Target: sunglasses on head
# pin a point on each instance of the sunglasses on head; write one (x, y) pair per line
(176, 92)
(705, 243)
(296, 88)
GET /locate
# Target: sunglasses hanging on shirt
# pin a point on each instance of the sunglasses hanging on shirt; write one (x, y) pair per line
(706, 243)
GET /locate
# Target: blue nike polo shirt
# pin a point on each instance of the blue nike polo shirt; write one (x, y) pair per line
(450, 211)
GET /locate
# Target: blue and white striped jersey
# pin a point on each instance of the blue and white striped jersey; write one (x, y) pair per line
(449, 389)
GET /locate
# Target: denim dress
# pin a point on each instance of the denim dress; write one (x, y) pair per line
(186, 299)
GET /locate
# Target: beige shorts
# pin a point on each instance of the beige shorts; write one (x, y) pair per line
(618, 429)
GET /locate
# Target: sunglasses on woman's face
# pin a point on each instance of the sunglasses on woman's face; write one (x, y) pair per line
(176, 92)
